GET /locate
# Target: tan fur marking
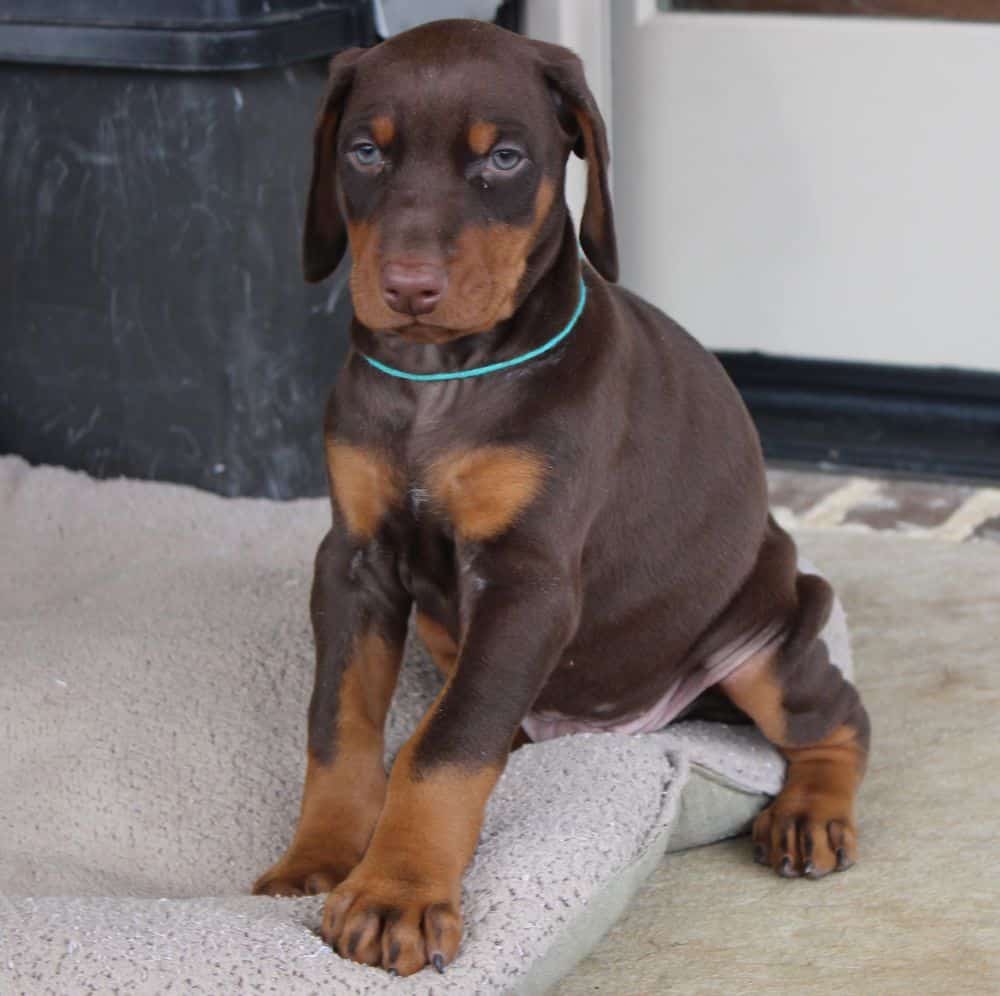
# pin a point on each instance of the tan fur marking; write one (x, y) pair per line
(360, 234)
(810, 827)
(364, 484)
(364, 281)
(483, 277)
(342, 799)
(482, 135)
(755, 690)
(443, 809)
(838, 754)
(491, 261)
(442, 648)
(383, 130)
(832, 767)
(413, 867)
(330, 791)
(543, 202)
(367, 686)
(484, 490)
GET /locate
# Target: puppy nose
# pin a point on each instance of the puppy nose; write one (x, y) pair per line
(413, 288)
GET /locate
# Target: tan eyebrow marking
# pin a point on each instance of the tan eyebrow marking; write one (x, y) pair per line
(383, 130)
(482, 135)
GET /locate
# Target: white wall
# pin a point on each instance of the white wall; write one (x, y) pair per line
(585, 27)
(811, 186)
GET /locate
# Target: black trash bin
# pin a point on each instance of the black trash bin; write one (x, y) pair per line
(154, 156)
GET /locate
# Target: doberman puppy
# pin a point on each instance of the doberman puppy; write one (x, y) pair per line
(561, 482)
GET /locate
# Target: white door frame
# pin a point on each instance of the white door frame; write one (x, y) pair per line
(811, 186)
(585, 27)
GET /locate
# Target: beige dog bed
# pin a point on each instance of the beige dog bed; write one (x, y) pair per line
(155, 665)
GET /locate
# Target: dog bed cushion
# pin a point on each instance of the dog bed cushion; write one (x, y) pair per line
(155, 666)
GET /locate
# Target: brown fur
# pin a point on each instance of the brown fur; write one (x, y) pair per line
(577, 534)
(596, 221)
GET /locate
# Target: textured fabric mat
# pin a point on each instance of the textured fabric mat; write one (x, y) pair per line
(155, 665)
(919, 915)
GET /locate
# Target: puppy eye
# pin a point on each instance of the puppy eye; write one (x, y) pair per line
(505, 159)
(366, 155)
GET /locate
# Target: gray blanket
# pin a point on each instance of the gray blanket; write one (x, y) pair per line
(155, 665)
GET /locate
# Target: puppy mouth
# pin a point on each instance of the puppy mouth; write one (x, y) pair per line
(427, 332)
(425, 328)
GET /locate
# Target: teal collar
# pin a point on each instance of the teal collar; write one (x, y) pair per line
(489, 367)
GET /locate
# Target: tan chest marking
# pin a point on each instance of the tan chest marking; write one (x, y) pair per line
(484, 490)
(437, 640)
(365, 486)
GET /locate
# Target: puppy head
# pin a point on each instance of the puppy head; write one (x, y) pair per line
(440, 157)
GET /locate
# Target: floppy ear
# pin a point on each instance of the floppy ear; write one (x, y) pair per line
(324, 237)
(579, 114)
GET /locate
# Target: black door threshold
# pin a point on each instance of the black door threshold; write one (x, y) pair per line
(939, 422)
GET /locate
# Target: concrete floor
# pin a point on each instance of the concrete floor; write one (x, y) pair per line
(920, 913)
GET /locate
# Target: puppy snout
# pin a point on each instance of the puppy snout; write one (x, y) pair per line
(413, 288)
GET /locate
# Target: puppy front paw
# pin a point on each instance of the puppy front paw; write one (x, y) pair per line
(380, 918)
(307, 872)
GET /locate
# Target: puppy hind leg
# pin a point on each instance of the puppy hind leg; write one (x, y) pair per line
(804, 705)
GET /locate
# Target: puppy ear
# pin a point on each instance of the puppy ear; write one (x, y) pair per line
(324, 237)
(578, 113)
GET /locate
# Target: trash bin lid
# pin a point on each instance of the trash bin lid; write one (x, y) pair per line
(180, 35)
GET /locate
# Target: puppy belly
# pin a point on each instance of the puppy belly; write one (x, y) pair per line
(681, 693)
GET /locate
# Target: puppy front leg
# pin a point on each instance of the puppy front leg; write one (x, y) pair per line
(401, 906)
(359, 614)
